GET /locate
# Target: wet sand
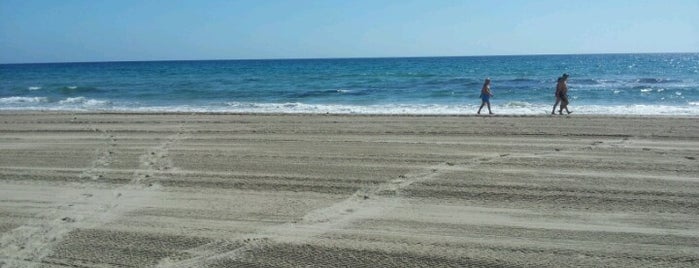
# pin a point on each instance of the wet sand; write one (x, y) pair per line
(226, 190)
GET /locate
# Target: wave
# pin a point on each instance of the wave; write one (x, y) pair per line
(23, 100)
(34, 88)
(594, 82)
(349, 92)
(522, 80)
(326, 93)
(84, 101)
(656, 81)
(510, 108)
(76, 89)
(313, 93)
(463, 80)
(518, 104)
(416, 75)
(297, 107)
(44, 103)
(585, 81)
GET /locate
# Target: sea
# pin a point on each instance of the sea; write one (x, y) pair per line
(604, 84)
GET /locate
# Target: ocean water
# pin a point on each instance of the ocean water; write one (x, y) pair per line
(641, 84)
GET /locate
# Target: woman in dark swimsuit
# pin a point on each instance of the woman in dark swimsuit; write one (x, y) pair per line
(485, 96)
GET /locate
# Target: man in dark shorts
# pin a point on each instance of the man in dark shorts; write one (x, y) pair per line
(558, 99)
(562, 94)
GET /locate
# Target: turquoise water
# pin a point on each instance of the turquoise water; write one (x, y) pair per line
(599, 84)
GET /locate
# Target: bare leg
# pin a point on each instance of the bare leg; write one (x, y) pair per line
(479, 109)
(489, 111)
(564, 106)
(554, 106)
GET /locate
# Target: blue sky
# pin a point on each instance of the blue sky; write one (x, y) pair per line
(84, 30)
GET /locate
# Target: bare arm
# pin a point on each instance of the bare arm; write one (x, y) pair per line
(486, 90)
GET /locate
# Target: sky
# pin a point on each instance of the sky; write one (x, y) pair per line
(126, 30)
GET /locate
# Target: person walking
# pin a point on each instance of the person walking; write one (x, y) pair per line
(485, 96)
(557, 93)
(562, 90)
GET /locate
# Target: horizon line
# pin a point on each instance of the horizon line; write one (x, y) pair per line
(343, 58)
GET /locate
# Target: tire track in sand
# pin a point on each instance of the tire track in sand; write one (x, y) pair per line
(29, 244)
(364, 204)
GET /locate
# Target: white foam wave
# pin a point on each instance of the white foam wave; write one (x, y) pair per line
(521, 108)
(347, 109)
(84, 101)
(23, 100)
(512, 108)
(637, 110)
(34, 88)
(517, 104)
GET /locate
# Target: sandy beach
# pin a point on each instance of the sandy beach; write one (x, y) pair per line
(238, 190)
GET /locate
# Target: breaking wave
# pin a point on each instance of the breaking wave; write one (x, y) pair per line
(23, 100)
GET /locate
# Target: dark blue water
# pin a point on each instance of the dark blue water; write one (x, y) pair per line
(599, 84)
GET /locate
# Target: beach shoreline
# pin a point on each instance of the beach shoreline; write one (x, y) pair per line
(289, 190)
(229, 113)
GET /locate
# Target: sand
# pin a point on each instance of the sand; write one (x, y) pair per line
(230, 190)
